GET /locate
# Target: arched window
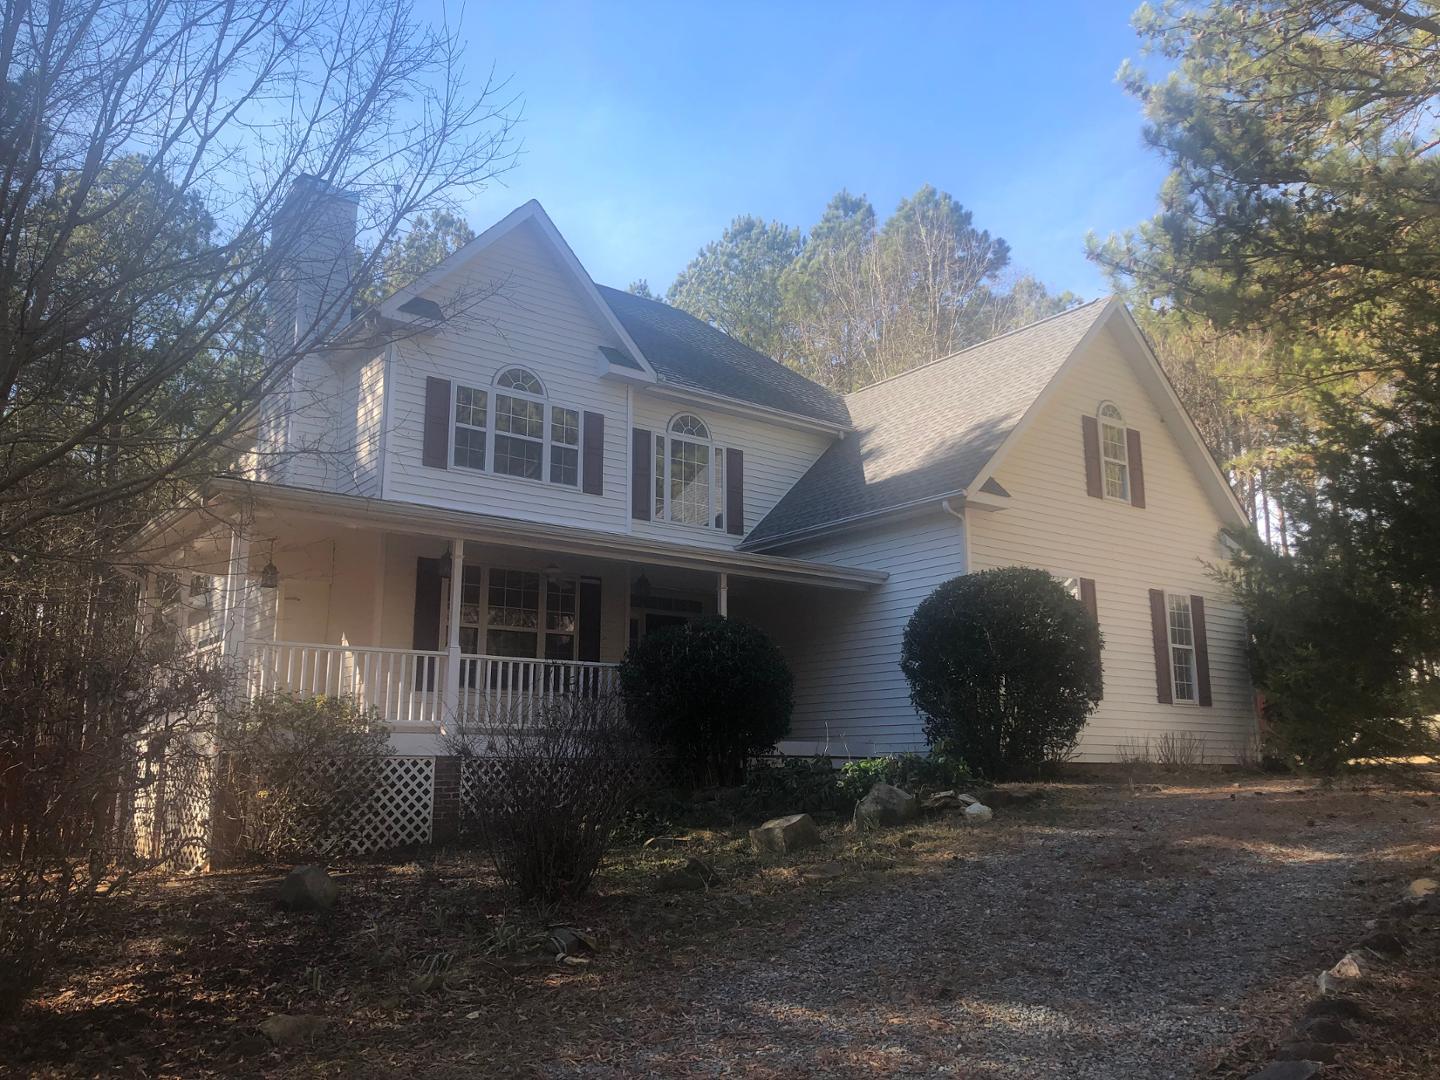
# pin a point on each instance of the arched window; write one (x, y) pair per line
(1114, 452)
(689, 474)
(522, 435)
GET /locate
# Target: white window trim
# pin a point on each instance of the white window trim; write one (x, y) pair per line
(716, 497)
(483, 628)
(546, 441)
(1171, 646)
(1105, 459)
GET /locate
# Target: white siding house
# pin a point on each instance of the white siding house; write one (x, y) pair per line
(531, 471)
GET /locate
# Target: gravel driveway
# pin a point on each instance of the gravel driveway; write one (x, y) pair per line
(1134, 935)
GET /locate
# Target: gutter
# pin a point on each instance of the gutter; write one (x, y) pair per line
(948, 503)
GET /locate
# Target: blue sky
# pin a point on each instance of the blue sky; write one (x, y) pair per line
(649, 126)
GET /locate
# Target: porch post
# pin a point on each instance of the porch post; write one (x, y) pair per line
(722, 595)
(232, 612)
(450, 698)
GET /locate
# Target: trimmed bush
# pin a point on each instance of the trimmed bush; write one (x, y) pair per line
(712, 693)
(1004, 666)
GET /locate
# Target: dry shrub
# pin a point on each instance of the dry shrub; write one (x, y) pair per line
(548, 793)
(294, 772)
(1176, 750)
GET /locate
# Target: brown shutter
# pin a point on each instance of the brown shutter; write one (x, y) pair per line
(1090, 433)
(426, 632)
(435, 448)
(589, 619)
(1087, 597)
(1137, 467)
(592, 455)
(1202, 649)
(735, 492)
(1160, 631)
(642, 450)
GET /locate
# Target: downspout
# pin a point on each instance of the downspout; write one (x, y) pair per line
(958, 511)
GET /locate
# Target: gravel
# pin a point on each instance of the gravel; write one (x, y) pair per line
(1133, 936)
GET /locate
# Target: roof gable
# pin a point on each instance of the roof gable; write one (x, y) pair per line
(930, 432)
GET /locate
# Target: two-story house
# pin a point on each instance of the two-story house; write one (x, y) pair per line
(487, 510)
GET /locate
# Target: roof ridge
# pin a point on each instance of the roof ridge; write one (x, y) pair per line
(988, 341)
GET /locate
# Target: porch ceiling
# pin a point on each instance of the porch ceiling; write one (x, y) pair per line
(432, 521)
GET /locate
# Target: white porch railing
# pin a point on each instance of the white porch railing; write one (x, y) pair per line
(500, 691)
(403, 685)
(407, 686)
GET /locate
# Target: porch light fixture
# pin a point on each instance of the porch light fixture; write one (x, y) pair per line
(642, 586)
(445, 561)
(269, 573)
(552, 573)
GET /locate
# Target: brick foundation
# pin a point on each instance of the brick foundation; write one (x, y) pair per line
(445, 814)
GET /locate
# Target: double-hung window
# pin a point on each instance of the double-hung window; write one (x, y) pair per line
(689, 475)
(1181, 620)
(513, 430)
(1114, 452)
(503, 611)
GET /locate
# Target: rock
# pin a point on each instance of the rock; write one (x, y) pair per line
(1420, 888)
(978, 814)
(308, 888)
(885, 805)
(1306, 1051)
(948, 800)
(1382, 943)
(567, 941)
(1339, 1008)
(825, 871)
(783, 835)
(679, 881)
(1288, 1070)
(1325, 1029)
(1349, 966)
(284, 1029)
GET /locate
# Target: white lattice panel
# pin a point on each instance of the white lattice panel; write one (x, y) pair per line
(399, 811)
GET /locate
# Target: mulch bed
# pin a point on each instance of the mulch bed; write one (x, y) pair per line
(1111, 930)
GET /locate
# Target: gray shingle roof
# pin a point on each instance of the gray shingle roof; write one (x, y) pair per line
(685, 351)
(929, 432)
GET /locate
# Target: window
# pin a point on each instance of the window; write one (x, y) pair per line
(469, 428)
(1114, 453)
(518, 433)
(506, 610)
(689, 475)
(1182, 648)
(513, 616)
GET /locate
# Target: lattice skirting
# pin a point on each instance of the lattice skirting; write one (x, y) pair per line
(167, 816)
(400, 810)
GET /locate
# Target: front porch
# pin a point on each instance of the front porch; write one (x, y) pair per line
(436, 619)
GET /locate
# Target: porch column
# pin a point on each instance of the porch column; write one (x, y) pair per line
(722, 595)
(450, 695)
(232, 611)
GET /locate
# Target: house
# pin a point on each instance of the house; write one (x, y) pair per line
(484, 511)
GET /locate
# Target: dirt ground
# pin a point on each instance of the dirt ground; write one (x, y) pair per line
(1166, 929)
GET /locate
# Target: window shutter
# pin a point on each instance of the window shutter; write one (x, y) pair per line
(735, 492)
(1090, 433)
(592, 455)
(1137, 467)
(588, 616)
(1087, 597)
(426, 632)
(642, 491)
(435, 447)
(1160, 630)
(1202, 650)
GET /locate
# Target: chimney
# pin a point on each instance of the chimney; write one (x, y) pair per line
(310, 293)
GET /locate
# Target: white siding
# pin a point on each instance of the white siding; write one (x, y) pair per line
(775, 457)
(535, 319)
(1052, 524)
(851, 699)
(369, 415)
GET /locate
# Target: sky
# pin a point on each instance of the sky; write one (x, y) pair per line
(648, 127)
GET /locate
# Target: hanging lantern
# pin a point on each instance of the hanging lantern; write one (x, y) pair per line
(270, 573)
(445, 561)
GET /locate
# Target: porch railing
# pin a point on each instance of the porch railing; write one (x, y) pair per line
(403, 685)
(407, 686)
(500, 691)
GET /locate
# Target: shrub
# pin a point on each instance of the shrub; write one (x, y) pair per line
(294, 771)
(555, 790)
(935, 771)
(712, 693)
(1004, 666)
(791, 785)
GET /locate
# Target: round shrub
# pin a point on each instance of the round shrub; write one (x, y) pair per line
(1004, 666)
(713, 693)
